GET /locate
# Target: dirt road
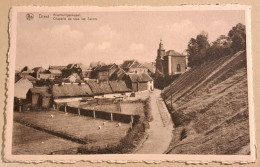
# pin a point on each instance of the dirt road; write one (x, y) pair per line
(160, 132)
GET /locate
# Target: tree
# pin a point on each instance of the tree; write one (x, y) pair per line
(238, 37)
(219, 48)
(197, 49)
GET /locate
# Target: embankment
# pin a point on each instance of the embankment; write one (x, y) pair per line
(209, 107)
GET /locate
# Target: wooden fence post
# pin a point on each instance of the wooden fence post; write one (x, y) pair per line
(65, 108)
(132, 121)
(94, 114)
(111, 116)
(20, 108)
(79, 111)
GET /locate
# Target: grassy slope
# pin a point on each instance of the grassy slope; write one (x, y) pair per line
(211, 110)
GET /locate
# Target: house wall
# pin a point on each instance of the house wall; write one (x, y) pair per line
(142, 86)
(150, 85)
(138, 70)
(45, 102)
(178, 60)
(103, 75)
(46, 76)
(35, 99)
(135, 86)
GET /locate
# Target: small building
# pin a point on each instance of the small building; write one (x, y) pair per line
(74, 77)
(56, 73)
(37, 71)
(39, 97)
(87, 74)
(46, 74)
(133, 66)
(21, 88)
(105, 72)
(140, 82)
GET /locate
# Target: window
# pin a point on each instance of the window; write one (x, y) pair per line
(178, 68)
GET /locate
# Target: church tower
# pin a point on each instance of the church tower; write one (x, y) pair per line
(159, 60)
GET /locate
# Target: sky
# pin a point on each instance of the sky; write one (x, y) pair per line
(114, 36)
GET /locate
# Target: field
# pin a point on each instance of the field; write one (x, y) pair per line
(28, 141)
(79, 129)
(210, 108)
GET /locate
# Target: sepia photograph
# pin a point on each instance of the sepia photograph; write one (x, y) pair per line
(131, 83)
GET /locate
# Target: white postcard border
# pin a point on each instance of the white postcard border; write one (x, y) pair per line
(123, 157)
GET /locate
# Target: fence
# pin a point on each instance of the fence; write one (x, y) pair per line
(119, 117)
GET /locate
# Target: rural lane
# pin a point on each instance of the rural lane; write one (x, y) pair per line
(160, 131)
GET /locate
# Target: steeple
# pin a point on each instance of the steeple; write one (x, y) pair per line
(161, 45)
(160, 51)
(159, 60)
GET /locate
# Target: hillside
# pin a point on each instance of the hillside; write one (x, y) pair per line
(210, 108)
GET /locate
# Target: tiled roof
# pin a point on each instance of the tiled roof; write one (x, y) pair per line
(71, 90)
(100, 88)
(119, 74)
(105, 68)
(57, 67)
(173, 53)
(119, 86)
(142, 77)
(55, 71)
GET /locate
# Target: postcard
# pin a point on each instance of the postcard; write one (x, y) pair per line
(130, 84)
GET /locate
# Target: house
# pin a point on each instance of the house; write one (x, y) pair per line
(133, 66)
(140, 82)
(170, 62)
(103, 73)
(56, 73)
(39, 97)
(21, 88)
(37, 71)
(46, 74)
(87, 74)
(74, 77)
(78, 68)
(71, 90)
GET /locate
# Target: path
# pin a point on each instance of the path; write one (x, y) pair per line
(160, 132)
